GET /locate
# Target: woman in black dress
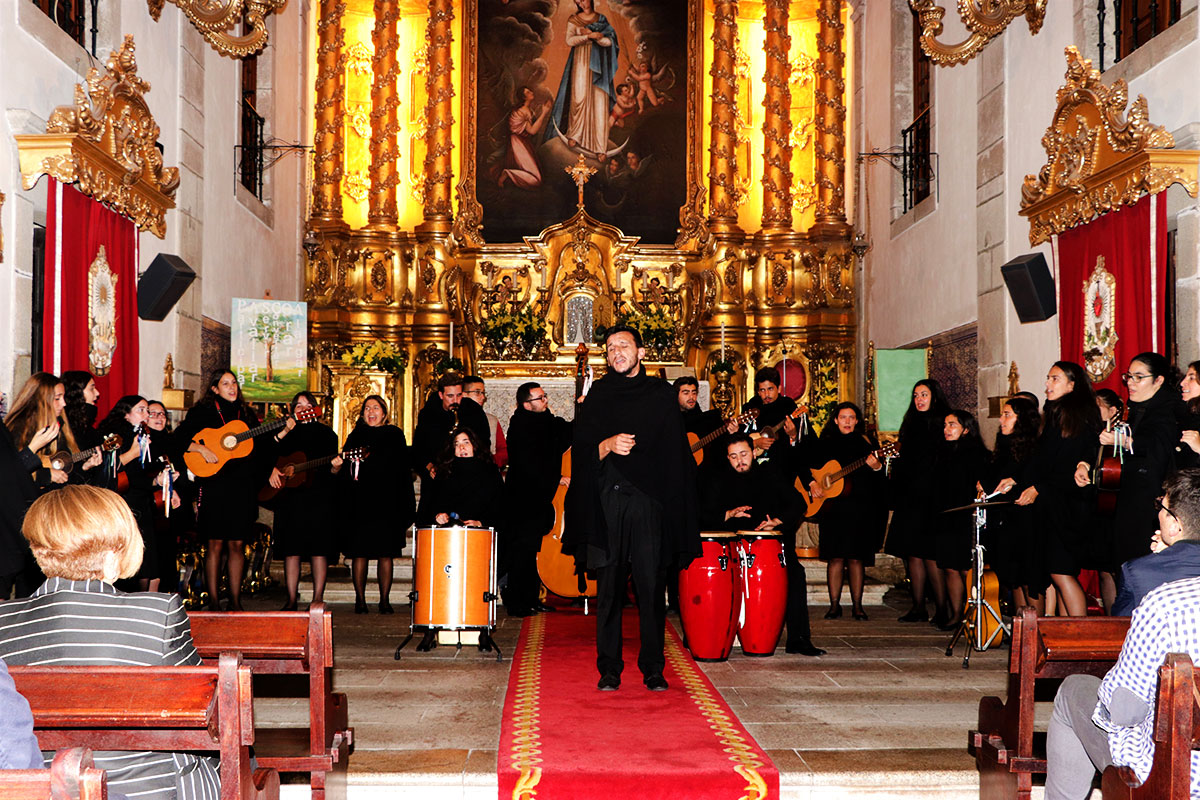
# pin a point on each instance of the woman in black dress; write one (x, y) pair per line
(304, 519)
(376, 498)
(228, 500)
(851, 524)
(958, 467)
(169, 528)
(467, 489)
(1189, 452)
(911, 535)
(1010, 547)
(1060, 506)
(81, 396)
(38, 407)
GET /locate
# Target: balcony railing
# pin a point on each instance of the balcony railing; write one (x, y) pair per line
(251, 150)
(916, 169)
(1126, 25)
(77, 17)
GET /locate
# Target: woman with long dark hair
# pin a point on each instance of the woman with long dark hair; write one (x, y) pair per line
(851, 524)
(1060, 506)
(958, 466)
(376, 499)
(39, 407)
(912, 533)
(1010, 546)
(81, 396)
(467, 489)
(1189, 386)
(168, 528)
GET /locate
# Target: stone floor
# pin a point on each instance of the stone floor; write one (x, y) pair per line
(884, 714)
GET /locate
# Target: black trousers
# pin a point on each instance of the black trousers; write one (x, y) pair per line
(634, 523)
(796, 616)
(524, 585)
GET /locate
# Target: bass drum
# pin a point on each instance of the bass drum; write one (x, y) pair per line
(454, 578)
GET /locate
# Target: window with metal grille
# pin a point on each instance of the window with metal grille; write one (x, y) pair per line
(253, 125)
(916, 139)
(78, 18)
(1126, 25)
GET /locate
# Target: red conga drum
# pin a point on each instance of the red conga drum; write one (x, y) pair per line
(710, 597)
(764, 591)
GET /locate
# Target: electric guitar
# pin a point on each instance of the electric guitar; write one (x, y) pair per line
(831, 477)
(66, 461)
(296, 471)
(235, 440)
(698, 443)
(772, 431)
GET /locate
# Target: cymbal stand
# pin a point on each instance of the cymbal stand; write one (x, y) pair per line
(977, 608)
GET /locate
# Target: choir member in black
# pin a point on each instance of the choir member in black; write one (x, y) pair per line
(536, 440)
(958, 467)
(475, 389)
(632, 502)
(1188, 456)
(143, 478)
(81, 412)
(304, 517)
(701, 423)
(741, 494)
(1155, 408)
(228, 500)
(467, 489)
(181, 521)
(39, 405)
(446, 410)
(1060, 507)
(16, 476)
(376, 498)
(774, 407)
(851, 524)
(912, 533)
(1008, 538)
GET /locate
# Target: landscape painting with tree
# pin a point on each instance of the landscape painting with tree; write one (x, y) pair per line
(605, 79)
(269, 348)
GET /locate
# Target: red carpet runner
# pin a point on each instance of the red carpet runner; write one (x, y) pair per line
(562, 739)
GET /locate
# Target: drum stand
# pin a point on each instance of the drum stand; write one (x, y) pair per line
(977, 608)
(429, 639)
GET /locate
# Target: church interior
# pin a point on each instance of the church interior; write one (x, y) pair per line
(819, 186)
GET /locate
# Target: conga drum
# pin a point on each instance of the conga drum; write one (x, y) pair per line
(454, 578)
(710, 597)
(764, 591)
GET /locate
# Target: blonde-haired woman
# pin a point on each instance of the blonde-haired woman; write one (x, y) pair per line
(36, 410)
(84, 539)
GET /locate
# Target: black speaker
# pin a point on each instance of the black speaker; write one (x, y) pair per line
(1031, 287)
(161, 286)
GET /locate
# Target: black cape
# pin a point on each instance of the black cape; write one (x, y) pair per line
(434, 424)
(763, 487)
(469, 488)
(536, 443)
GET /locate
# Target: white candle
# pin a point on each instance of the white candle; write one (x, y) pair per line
(543, 274)
(451, 338)
(722, 341)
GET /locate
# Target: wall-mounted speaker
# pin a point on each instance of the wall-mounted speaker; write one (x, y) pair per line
(1031, 287)
(161, 286)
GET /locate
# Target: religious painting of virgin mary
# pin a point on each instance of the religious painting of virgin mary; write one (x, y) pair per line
(605, 79)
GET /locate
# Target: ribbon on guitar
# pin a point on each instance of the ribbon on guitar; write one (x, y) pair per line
(168, 489)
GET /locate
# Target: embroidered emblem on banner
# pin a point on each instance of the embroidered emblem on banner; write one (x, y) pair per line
(102, 314)
(1099, 322)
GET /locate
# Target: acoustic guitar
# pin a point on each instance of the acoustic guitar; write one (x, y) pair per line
(235, 440)
(832, 477)
(66, 461)
(1106, 476)
(296, 470)
(698, 443)
(772, 431)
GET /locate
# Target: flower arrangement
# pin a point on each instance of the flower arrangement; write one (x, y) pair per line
(448, 365)
(657, 328)
(721, 365)
(517, 335)
(376, 355)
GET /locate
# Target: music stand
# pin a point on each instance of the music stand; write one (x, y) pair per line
(977, 608)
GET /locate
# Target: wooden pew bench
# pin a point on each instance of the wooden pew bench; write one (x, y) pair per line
(1176, 725)
(163, 709)
(298, 643)
(71, 776)
(1044, 651)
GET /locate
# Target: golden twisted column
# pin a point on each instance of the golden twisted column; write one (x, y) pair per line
(777, 122)
(830, 119)
(384, 125)
(722, 149)
(439, 144)
(329, 112)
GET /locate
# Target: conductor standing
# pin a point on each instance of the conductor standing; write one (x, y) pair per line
(632, 503)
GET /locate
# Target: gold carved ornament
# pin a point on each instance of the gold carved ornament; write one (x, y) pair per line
(102, 314)
(1102, 153)
(983, 19)
(1099, 323)
(214, 18)
(105, 145)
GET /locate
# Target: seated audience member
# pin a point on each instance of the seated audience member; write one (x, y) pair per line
(84, 539)
(18, 745)
(1176, 544)
(1111, 721)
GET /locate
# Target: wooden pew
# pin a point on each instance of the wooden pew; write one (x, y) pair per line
(1043, 649)
(1176, 724)
(172, 709)
(289, 643)
(71, 777)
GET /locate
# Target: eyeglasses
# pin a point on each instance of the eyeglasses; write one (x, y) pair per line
(1158, 501)
(476, 391)
(535, 399)
(156, 414)
(1134, 376)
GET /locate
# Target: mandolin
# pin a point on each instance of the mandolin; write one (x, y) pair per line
(296, 469)
(66, 461)
(831, 477)
(235, 440)
(698, 443)
(772, 431)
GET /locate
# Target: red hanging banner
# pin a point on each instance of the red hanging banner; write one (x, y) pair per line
(1112, 285)
(90, 318)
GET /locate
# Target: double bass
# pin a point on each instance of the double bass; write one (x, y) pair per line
(556, 568)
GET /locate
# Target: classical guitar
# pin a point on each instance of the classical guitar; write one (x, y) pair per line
(772, 431)
(296, 469)
(698, 443)
(831, 477)
(65, 461)
(1106, 475)
(235, 440)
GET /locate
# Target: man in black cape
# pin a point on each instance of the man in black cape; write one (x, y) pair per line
(632, 504)
(536, 442)
(448, 409)
(787, 448)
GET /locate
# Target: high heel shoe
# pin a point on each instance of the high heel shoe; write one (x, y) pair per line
(858, 614)
(290, 605)
(916, 615)
(385, 607)
(834, 612)
(360, 606)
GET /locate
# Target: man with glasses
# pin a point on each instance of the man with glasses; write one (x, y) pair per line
(473, 388)
(1176, 545)
(447, 409)
(537, 441)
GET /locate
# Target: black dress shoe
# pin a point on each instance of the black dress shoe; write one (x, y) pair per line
(385, 607)
(609, 682)
(544, 607)
(804, 647)
(290, 605)
(656, 683)
(834, 612)
(939, 619)
(859, 614)
(951, 625)
(360, 607)
(916, 615)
